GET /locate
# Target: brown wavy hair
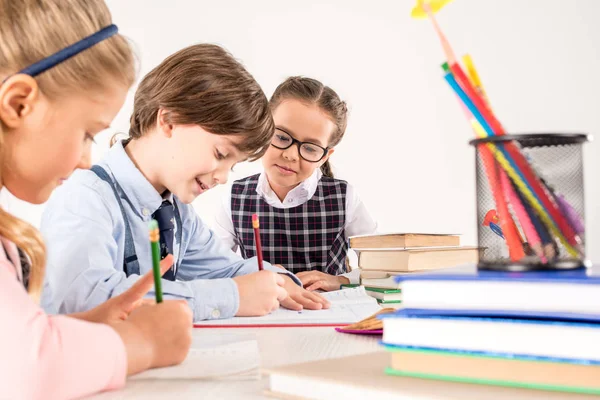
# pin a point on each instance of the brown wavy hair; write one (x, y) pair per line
(204, 85)
(31, 30)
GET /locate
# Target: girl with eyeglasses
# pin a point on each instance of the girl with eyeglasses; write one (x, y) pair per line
(306, 215)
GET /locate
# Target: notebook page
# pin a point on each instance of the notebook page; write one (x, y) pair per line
(218, 360)
(347, 306)
(356, 295)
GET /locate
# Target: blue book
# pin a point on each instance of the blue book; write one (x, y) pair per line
(467, 288)
(557, 337)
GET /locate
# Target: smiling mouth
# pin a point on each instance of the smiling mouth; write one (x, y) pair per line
(284, 168)
(202, 185)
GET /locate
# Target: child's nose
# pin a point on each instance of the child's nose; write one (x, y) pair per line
(291, 153)
(221, 176)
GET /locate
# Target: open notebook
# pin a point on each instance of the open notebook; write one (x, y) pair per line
(347, 307)
(222, 357)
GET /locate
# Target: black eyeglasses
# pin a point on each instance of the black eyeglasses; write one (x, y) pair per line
(309, 151)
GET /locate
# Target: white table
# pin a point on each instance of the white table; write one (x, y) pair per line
(278, 346)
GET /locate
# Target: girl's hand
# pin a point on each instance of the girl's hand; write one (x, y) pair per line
(118, 308)
(313, 280)
(299, 298)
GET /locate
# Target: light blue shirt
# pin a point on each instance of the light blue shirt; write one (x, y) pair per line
(85, 235)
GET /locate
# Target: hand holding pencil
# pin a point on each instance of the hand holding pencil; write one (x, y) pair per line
(118, 308)
(256, 226)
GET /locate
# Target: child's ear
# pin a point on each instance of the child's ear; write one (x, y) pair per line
(163, 123)
(324, 159)
(18, 96)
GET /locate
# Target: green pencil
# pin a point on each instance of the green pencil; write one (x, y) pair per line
(155, 245)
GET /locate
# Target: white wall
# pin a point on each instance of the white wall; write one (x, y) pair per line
(406, 146)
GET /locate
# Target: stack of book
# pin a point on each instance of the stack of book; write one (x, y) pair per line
(536, 330)
(469, 334)
(383, 257)
(409, 252)
(386, 297)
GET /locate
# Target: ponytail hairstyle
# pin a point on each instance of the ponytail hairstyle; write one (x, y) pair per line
(313, 92)
(31, 30)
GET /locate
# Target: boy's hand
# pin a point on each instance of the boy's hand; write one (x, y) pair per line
(119, 307)
(313, 280)
(299, 298)
(260, 293)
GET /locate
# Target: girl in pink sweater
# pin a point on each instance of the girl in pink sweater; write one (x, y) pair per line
(64, 74)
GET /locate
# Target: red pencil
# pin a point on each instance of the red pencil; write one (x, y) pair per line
(255, 225)
(519, 159)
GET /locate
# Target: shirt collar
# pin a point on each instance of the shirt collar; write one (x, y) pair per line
(140, 193)
(298, 195)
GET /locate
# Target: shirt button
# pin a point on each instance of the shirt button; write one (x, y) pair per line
(146, 212)
(215, 313)
(290, 200)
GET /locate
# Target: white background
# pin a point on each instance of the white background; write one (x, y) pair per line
(406, 145)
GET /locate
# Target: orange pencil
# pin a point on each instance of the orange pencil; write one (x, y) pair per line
(259, 256)
(513, 242)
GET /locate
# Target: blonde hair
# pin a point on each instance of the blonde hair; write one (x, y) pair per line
(31, 30)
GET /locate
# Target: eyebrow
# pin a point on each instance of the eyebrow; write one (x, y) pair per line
(309, 140)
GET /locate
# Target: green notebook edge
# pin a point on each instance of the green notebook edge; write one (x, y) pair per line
(372, 289)
(348, 285)
(384, 291)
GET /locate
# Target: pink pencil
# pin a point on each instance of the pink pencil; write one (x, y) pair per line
(530, 233)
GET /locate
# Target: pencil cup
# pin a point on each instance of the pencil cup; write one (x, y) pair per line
(530, 202)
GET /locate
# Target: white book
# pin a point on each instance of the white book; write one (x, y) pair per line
(381, 283)
(384, 296)
(467, 288)
(550, 339)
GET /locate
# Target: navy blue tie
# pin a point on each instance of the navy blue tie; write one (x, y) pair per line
(165, 216)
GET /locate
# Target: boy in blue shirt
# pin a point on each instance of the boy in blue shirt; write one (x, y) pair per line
(195, 116)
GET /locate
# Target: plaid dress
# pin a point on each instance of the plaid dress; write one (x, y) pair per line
(302, 238)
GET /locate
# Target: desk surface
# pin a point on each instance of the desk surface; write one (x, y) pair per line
(278, 346)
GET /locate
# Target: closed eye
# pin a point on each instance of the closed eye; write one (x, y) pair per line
(220, 156)
(89, 138)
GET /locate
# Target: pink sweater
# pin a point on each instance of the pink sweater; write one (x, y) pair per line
(51, 357)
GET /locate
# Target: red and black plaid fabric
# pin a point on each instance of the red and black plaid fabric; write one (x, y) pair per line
(303, 238)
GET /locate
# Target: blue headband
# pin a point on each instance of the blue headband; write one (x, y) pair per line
(68, 52)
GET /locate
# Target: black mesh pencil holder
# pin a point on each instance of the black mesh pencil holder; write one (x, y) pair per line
(530, 202)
